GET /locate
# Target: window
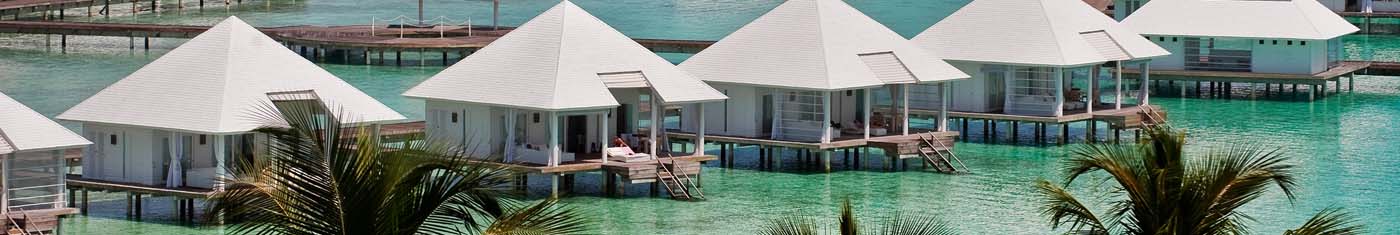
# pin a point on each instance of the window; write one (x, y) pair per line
(1290, 42)
(1261, 41)
(1303, 43)
(1334, 52)
(203, 139)
(799, 117)
(454, 117)
(1218, 54)
(113, 139)
(535, 117)
(1032, 91)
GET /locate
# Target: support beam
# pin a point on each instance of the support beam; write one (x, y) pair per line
(943, 106)
(866, 112)
(554, 151)
(700, 132)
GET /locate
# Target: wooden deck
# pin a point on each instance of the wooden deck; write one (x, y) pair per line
(76, 181)
(847, 142)
(36, 221)
(377, 37)
(20, 4)
(593, 162)
(1347, 68)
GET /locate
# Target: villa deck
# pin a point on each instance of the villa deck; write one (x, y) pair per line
(36, 221)
(184, 196)
(1128, 117)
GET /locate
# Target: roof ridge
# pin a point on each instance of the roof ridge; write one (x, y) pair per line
(228, 66)
(1311, 22)
(821, 38)
(559, 51)
(1054, 30)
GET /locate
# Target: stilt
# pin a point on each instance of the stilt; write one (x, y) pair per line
(964, 129)
(1117, 135)
(1015, 129)
(398, 58)
(1312, 93)
(826, 160)
(655, 190)
(554, 186)
(993, 134)
(1064, 133)
(762, 154)
(1295, 91)
(85, 202)
(1351, 83)
(986, 130)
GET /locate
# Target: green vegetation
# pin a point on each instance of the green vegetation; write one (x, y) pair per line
(320, 180)
(903, 224)
(1160, 190)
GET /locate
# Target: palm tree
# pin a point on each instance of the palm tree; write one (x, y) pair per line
(1159, 190)
(318, 179)
(901, 224)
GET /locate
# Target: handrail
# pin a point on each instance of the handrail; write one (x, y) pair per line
(673, 177)
(435, 22)
(954, 155)
(16, 223)
(687, 179)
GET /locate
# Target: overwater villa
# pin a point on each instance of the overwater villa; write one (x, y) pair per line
(554, 95)
(806, 77)
(1296, 42)
(173, 127)
(32, 151)
(1050, 73)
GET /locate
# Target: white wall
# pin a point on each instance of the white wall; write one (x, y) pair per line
(476, 127)
(740, 115)
(1176, 60)
(970, 95)
(1291, 59)
(133, 159)
(1383, 5)
(1334, 5)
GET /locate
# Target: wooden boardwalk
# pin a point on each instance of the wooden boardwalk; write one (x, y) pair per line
(1347, 68)
(378, 37)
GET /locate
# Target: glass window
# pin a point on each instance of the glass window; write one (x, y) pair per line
(1217, 54)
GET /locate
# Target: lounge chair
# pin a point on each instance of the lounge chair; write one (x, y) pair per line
(625, 154)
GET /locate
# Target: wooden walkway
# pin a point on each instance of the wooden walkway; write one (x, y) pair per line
(378, 37)
(1347, 68)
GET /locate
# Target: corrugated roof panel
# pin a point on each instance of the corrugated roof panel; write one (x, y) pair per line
(1105, 45)
(215, 82)
(1284, 19)
(888, 68)
(812, 45)
(1046, 32)
(633, 79)
(22, 129)
(559, 61)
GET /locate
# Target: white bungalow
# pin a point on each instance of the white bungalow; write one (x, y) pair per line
(554, 90)
(1025, 55)
(201, 101)
(32, 149)
(810, 71)
(1285, 37)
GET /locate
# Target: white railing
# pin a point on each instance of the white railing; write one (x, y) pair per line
(440, 23)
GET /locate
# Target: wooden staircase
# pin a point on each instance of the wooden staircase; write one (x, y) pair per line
(1154, 118)
(679, 185)
(940, 156)
(30, 225)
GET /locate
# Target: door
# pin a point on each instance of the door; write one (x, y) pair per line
(576, 133)
(621, 116)
(113, 159)
(996, 90)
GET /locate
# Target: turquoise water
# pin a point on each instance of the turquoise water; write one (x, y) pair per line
(1345, 145)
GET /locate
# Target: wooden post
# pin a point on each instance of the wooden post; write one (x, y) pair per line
(554, 186)
(1064, 133)
(1351, 82)
(1015, 128)
(826, 160)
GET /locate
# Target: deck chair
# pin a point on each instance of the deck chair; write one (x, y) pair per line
(625, 154)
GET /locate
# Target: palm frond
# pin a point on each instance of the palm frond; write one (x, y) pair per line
(849, 224)
(792, 225)
(1330, 221)
(909, 224)
(1064, 209)
(546, 217)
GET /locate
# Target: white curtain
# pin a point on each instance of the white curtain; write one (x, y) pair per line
(174, 176)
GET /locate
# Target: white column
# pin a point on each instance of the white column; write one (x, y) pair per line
(220, 167)
(606, 117)
(826, 116)
(1143, 92)
(5, 183)
(1093, 88)
(62, 177)
(947, 93)
(655, 128)
(510, 136)
(867, 113)
(554, 151)
(1118, 86)
(700, 132)
(1059, 92)
(904, 95)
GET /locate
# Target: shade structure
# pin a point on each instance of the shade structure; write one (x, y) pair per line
(217, 82)
(817, 45)
(1034, 32)
(564, 59)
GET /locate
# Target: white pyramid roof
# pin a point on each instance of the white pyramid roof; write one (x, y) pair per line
(216, 82)
(817, 44)
(1034, 32)
(563, 59)
(1284, 19)
(22, 129)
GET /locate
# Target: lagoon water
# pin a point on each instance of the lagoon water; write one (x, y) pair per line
(1346, 145)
